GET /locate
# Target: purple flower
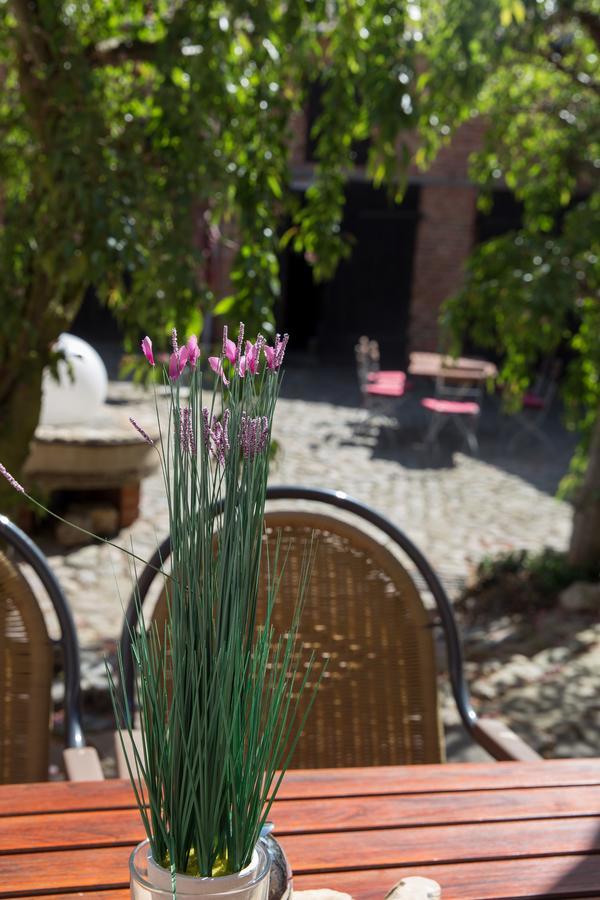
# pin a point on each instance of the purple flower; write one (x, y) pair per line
(254, 435)
(141, 431)
(147, 350)
(12, 481)
(216, 435)
(187, 440)
(240, 343)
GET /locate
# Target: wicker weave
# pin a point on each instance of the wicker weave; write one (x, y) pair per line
(25, 680)
(377, 702)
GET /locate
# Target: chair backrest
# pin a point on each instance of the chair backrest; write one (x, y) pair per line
(366, 354)
(27, 659)
(377, 702)
(545, 384)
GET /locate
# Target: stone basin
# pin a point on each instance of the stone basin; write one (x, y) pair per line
(104, 454)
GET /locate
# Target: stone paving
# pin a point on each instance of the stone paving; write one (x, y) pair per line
(455, 507)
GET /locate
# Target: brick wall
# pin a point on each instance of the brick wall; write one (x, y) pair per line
(445, 234)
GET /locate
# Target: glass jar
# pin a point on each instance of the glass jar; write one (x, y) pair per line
(152, 882)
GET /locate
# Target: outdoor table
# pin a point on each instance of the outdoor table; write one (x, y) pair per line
(461, 369)
(482, 830)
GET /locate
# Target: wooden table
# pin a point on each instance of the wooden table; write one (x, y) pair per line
(435, 365)
(485, 830)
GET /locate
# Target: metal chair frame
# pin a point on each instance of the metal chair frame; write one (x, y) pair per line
(465, 424)
(32, 555)
(493, 736)
(370, 375)
(529, 420)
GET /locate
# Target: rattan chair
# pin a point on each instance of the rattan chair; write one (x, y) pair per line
(26, 668)
(378, 699)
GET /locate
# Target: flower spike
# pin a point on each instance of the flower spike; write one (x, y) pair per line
(12, 481)
(141, 431)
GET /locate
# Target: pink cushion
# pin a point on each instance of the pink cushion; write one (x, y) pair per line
(451, 407)
(387, 375)
(386, 384)
(533, 401)
(385, 389)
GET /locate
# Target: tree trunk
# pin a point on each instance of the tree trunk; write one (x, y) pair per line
(19, 415)
(584, 549)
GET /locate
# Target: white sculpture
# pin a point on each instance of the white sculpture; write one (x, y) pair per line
(82, 386)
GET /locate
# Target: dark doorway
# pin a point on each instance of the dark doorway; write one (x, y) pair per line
(370, 292)
(505, 214)
(94, 322)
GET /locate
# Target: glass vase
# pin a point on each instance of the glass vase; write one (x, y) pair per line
(150, 881)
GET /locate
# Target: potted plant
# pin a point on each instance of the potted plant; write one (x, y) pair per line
(218, 690)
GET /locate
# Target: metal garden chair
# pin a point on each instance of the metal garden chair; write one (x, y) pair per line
(459, 404)
(381, 391)
(378, 700)
(26, 667)
(536, 405)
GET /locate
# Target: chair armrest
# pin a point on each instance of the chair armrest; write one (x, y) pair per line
(83, 764)
(499, 740)
(124, 751)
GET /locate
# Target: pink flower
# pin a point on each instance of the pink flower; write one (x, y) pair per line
(269, 356)
(193, 350)
(216, 365)
(274, 355)
(252, 356)
(177, 362)
(229, 348)
(147, 350)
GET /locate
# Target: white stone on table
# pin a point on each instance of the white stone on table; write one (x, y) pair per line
(320, 894)
(415, 888)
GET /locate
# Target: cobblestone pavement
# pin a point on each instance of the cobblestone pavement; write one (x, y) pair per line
(455, 507)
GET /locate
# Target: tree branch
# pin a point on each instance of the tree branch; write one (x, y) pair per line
(29, 30)
(115, 52)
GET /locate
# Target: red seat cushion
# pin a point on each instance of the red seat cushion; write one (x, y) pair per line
(533, 401)
(385, 389)
(386, 384)
(387, 375)
(451, 407)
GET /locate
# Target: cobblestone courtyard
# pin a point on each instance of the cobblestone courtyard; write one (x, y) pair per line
(456, 508)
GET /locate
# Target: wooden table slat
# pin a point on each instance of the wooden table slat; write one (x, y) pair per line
(31, 799)
(107, 866)
(82, 829)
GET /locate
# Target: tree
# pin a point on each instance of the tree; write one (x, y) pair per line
(129, 126)
(532, 70)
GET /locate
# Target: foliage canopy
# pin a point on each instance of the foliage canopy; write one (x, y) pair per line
(531, 69)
